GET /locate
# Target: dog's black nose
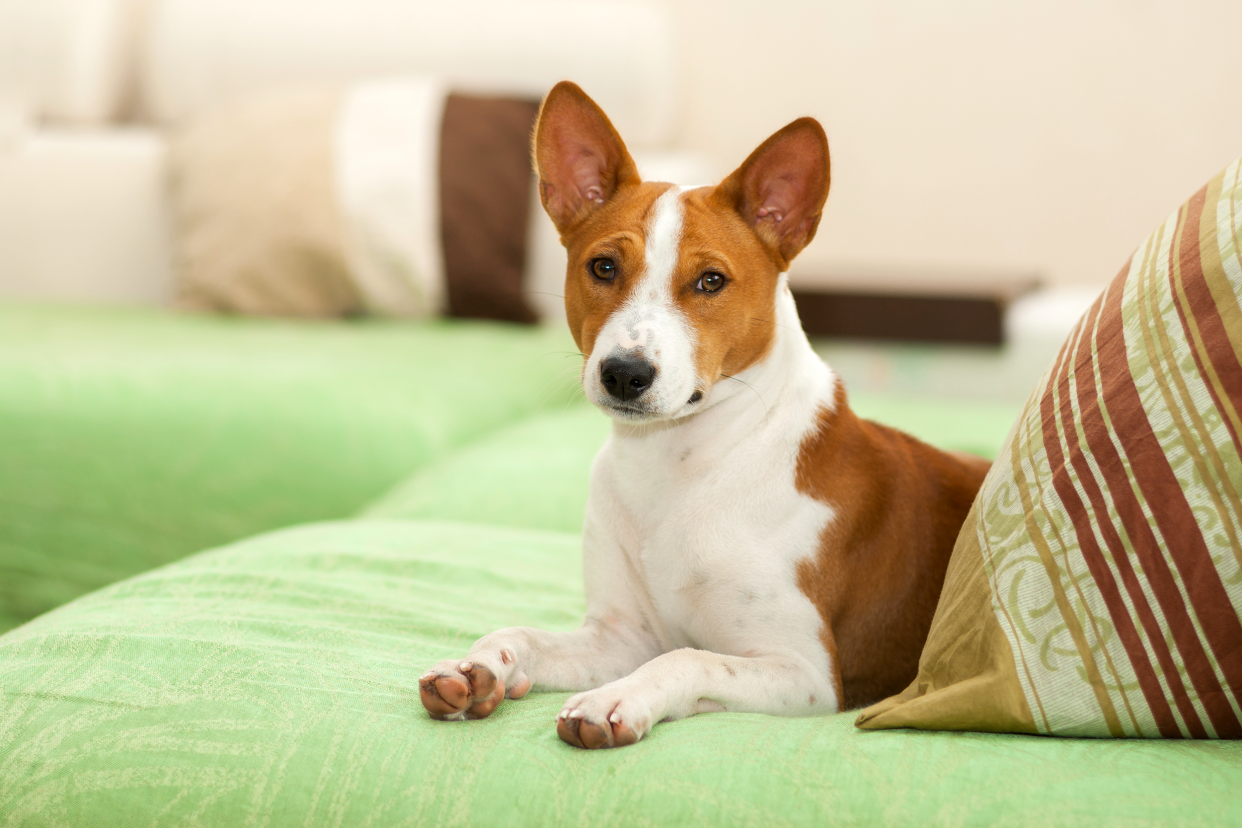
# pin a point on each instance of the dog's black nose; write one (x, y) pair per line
(626, 377)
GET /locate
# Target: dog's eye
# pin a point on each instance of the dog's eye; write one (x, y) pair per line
(603, 269)
(710, 282)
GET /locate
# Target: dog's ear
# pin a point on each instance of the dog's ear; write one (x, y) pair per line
(580, 159)
(781, 188)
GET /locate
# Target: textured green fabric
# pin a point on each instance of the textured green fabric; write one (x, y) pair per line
(535, 473)
(129, 438)
(274, 683)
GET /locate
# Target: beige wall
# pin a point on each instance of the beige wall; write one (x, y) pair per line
(975, 137)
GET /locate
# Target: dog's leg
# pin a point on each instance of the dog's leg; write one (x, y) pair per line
(507, 663)
(612, 642)
(684, 682)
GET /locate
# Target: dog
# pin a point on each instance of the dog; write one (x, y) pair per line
(749, 543)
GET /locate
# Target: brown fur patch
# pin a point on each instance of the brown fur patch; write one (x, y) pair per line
(735, 326)
(899, 504)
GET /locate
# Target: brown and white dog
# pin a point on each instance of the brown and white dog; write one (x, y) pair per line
(750, 544)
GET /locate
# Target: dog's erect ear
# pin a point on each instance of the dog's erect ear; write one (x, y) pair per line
(781, 188)
(579, 157)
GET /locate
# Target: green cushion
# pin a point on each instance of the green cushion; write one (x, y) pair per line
(129, 438)
(535, 473)
(976, 426)
(273, 683)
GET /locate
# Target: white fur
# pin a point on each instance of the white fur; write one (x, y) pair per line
(693, 530)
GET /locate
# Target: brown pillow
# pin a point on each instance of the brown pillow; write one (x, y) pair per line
(485, 196)
(1096, 587)
(264, 225)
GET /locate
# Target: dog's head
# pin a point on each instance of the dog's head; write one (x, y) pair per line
(669, 289)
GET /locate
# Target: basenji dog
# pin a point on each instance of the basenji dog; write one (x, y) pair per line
(749, 543)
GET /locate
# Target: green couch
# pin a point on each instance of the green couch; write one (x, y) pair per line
(132, 438)
(272, 681)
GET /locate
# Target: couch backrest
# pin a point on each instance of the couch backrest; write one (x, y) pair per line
(200, 51)
(63, 61)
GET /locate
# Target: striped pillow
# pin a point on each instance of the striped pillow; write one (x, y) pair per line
(1096, 587)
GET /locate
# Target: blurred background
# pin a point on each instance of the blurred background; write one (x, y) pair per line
(994, 164)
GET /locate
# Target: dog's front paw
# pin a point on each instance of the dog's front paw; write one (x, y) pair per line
(603, 718)
(457, 689)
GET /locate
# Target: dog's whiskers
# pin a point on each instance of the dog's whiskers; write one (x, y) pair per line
(771, 322)
(752, 388)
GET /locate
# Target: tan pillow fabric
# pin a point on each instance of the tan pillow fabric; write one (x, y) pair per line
(255, 210)
(390, 197)
(1096, 587)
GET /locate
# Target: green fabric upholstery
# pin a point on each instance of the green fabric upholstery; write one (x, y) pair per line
(976, 426)
(129, 438)
(535, 474)
(273, 683)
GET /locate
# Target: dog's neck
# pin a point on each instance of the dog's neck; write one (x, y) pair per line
(790, 383)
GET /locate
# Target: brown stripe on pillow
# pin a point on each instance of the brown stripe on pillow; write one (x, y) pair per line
(1175, 519)
(1054, 418)
(485, 195)
(1100, 447)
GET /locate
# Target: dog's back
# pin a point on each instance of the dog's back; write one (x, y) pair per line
(877, 577)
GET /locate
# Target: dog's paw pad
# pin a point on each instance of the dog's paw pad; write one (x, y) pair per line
(518, 687)
(591, 732)
(460, 690)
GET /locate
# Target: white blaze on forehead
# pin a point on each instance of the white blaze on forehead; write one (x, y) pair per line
(663, 247)
(649, 321)
(649, 316)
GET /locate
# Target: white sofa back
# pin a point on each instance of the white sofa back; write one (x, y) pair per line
(200, 51)
(63, 60)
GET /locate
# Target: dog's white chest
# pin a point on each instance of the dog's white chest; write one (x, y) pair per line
(714, 532)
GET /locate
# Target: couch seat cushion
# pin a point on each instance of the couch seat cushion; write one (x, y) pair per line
(129, 438)
(535, 473)
(273, 683)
